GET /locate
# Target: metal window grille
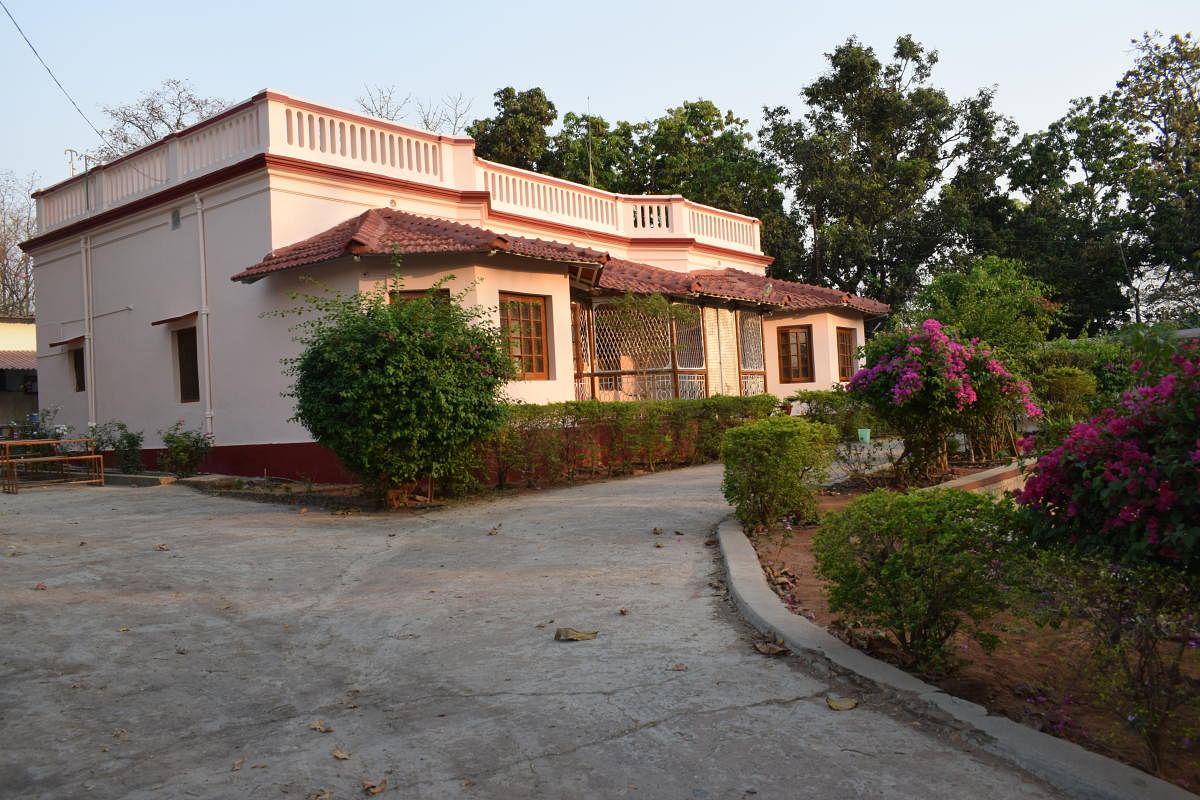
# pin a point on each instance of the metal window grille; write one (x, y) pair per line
(753, 384)
(627, 340)
(689, 338)
(750, 342)
(691, 387)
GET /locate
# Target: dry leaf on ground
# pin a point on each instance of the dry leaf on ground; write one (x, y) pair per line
(657, 531)
(624, 612)
(321, 794)
(573, 635)
(340, 754)
(770, 649)
(162, 548)
(320, 726)
(237, 765)
(678, 668)
(123, 629)
(841, 704)
(658, 544)
(39, 587)
(373, 789)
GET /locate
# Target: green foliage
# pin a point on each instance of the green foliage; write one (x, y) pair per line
(1066, 392)
(867, 159)
(920, 565)
(1106, 359)
(839, 408)
(993, 299)
(541, 445)
(1142, 621)
(398, 391)
(772, 468)
(126, 445)
(183, 450)
(517, 134)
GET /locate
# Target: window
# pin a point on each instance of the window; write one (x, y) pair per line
(189, 370)
(401, 295)
(795, 354)
(847, 343)
(523, 321)
(79, 369)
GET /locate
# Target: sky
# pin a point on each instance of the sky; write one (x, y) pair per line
(626, 60)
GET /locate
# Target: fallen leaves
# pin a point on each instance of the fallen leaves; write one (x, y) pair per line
(841, 703)
(624, 612)
(495, 530)
(123, 629)
(657, 531)
(373, 789)
(658, 544)
(771, 649)
(321, 794)
(340, 754)
(40, 586)
(573, 635)
(162, 548)
(677, 668)
(320, 726)
(237, 765)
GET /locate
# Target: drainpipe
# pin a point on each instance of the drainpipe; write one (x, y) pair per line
(89, 350)
(206, 372)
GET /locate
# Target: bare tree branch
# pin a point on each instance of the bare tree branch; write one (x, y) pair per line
(384, 102)
(171, 107)
(17, 223)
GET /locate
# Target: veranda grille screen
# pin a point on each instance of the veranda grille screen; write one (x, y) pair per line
(630, 341)
(750, 341)
(689, 338)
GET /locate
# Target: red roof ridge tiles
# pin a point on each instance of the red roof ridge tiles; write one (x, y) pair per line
(382, 231)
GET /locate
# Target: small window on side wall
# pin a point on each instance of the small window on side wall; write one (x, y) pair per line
(523, 323)
(79, 370)
(847, 343)
(795, 354)
(189, 365)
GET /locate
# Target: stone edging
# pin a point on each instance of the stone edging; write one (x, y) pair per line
(1065, 765)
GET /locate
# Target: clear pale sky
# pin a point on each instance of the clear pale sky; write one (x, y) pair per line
(632, 59)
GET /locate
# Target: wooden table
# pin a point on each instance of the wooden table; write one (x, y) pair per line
(32, 455)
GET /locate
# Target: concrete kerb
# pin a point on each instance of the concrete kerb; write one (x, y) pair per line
(1067, 766)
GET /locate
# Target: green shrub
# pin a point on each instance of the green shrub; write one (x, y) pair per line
(183, 450)
(126, 445)
(838, 408)
(1068, 391)
(918, 564)
(398, 391)
(1143, 624)
(772, 467)
(1106, 359)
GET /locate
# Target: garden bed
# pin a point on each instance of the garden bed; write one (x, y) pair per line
(1036, 676)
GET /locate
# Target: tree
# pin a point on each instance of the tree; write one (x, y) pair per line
(517, 134)
(18, 222)
(171, 107)
(1159, 100)
(384, 102)
(445, 116)
(995, 300)
(866, 160)
(587, 150)
(399, 391)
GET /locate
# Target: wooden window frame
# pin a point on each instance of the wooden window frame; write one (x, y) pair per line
(845, 376)
(79, 368)
(528, 299)
(184, 382)
(784, 371)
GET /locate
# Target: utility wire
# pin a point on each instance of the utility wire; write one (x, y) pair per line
(50, 72)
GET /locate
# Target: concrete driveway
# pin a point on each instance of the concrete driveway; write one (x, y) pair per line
(195, 669)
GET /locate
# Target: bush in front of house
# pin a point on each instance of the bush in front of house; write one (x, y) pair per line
(919, 565)
(772, 468)
(401, 391)
(845, 411)
(556, 443)
(125, 444)
(926, 382)
(183, 450)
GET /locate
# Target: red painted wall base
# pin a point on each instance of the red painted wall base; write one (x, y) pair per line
(306, 461)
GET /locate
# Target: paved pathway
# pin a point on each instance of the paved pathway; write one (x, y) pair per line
(425, 643)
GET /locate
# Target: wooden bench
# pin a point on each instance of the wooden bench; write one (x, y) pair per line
(29, 458)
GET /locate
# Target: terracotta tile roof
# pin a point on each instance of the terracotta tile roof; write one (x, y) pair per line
(18, 359)
(732, 284)
(382, 231)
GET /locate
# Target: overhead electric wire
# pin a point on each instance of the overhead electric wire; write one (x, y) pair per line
(50, 72)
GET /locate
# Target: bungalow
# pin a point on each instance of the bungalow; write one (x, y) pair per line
(152, 285)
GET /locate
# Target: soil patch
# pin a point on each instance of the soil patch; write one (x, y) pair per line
(1038, 677)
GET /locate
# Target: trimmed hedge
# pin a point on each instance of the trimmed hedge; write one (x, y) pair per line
(839, 408)
(773, 466)
(542, 445)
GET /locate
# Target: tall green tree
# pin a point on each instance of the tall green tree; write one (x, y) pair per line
(587, 150)
(517, 135)
(866, 160)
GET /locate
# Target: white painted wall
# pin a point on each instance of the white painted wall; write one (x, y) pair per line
(824, 331)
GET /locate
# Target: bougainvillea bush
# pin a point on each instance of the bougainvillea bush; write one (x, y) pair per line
(927, 382)
(1127, 481)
